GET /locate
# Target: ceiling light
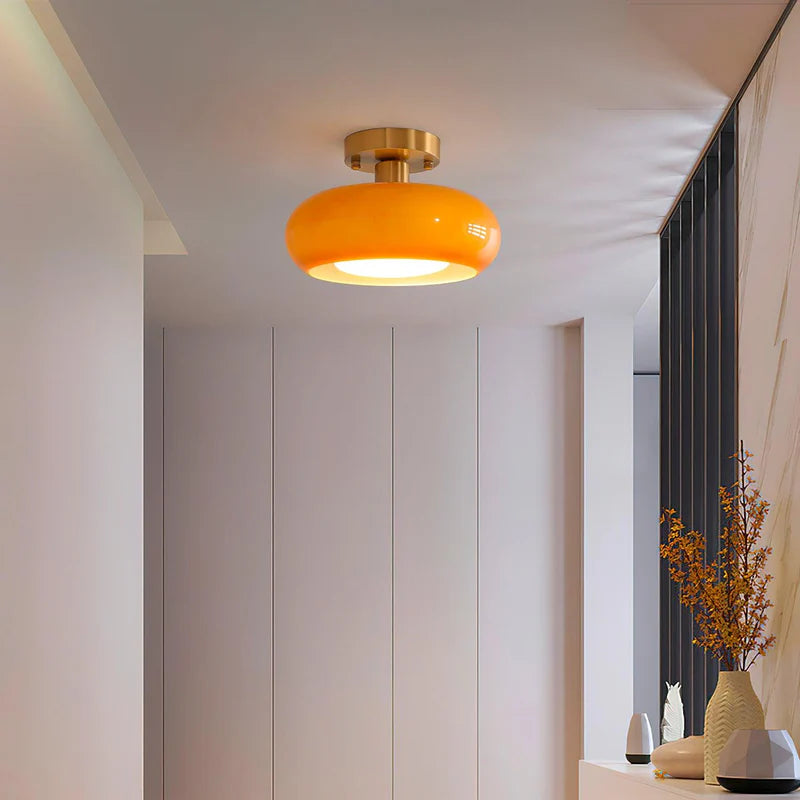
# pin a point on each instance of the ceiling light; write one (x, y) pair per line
(392, 232)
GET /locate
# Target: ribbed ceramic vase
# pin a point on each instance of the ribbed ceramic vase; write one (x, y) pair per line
(733, 706)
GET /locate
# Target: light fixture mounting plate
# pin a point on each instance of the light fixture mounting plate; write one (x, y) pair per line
(363, 150)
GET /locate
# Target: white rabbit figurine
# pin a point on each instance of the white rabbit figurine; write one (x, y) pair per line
(672, 722)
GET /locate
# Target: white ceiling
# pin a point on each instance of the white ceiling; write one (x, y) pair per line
(575, 120)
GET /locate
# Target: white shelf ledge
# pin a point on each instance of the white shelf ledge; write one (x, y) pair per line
(603, 781)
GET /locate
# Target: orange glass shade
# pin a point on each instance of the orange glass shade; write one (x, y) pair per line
(393, 221)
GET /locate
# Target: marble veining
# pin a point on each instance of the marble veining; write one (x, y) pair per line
(751, 137)
(769, 346)
(793, 256)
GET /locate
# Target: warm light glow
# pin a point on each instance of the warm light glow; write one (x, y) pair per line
(391, 267)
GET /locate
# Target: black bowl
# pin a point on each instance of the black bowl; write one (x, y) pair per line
(759, 785)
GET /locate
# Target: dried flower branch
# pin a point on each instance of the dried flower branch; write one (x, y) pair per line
(728, 597)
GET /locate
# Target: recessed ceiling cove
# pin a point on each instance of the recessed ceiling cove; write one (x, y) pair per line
(576, 122)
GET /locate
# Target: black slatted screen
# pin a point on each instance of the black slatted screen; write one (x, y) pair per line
(698, 389)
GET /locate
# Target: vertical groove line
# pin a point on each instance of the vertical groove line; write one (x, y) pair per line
(272, 564)
(477, 563)
(735, 274)
(392, 554)
(163, 572)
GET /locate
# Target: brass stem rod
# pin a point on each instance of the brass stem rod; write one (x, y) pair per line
(391, 171)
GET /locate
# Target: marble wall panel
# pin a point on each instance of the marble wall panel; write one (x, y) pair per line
(769, 344)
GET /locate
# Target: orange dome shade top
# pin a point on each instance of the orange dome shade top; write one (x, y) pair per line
(454, 232)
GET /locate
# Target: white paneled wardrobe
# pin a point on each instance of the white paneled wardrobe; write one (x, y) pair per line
(363, 554)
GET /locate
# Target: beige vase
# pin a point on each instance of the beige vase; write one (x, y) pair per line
(681, 759)
(733, 706)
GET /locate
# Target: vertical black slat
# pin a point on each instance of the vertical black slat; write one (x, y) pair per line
(713, 454)
(675, 427)
(686, 507)
(728, 284)
(665, 616)
(699, 304)
(735, 267)
(698, 413)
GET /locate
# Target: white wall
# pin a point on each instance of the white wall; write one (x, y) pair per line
(530, 563)
(436, 588)
(415, 581)
(333, 563)
(647, 689)
(607, 534)
(70, 440)
(153, 639)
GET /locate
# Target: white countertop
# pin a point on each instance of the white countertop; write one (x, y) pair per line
(671, 786)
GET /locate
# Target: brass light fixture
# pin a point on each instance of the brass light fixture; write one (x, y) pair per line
(392, 232)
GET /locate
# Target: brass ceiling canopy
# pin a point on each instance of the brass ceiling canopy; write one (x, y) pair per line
(391, 153)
